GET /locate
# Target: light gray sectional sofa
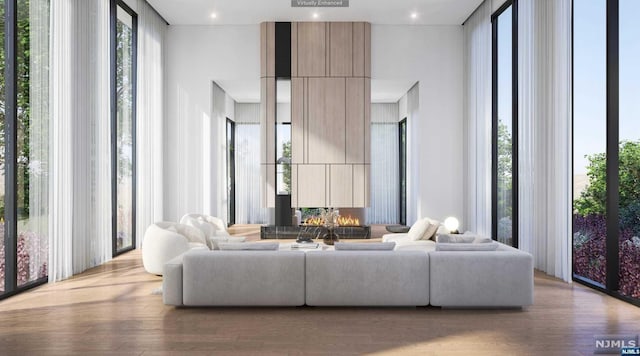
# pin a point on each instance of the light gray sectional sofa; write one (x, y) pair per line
(501, 278)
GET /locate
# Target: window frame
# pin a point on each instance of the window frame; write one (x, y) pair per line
(11, 149)
(612, 243)
(514, 119)
(402, 171)
(231, 171)
(114, 4)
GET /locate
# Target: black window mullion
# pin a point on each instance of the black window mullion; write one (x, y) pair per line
(114, 127)
(113, 13)
(613, 181)
(514, 126)
(11, 122)
(494, 128)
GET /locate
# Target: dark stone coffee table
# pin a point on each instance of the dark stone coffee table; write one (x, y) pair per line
(397, 228)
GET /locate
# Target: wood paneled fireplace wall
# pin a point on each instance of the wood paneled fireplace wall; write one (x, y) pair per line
(330, 72)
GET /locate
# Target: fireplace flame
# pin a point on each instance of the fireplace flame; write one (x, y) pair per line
(314, 221)
(342, 221)
(348, 221)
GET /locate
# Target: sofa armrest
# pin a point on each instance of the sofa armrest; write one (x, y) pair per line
(502, 278)
(172, 281)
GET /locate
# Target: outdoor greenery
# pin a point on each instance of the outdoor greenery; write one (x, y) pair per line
(590, 227)
(286, 167)
(505, 183)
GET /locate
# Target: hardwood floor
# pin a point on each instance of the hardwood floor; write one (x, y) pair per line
(110, 310)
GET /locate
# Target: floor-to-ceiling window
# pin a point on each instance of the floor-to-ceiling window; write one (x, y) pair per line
(231, 171)
(124, 45)
(24, 146)
(589, 139)
(629, 149)
(402, 160)
(606, 135)
(3, 93)
(504, 160)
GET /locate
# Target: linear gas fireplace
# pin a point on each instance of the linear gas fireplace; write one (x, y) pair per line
(351, 225)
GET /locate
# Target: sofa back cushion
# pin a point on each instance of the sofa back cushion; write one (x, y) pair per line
(243, 278)
(241, 246)
(364, 246)
(465, 238)
(444, 246)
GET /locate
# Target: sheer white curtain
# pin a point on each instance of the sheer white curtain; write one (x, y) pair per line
(477, 120)
(384, 165)
(149, 192)
(249, 210)
(80, 172)
(544, 118)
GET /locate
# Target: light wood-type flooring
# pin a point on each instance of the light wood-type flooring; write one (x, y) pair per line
(110, 310)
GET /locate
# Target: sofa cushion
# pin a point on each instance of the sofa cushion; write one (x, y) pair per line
(362, 246)
(456, 246)
(232, 246)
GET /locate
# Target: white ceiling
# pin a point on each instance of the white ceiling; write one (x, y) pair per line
(248, 91)
(242, 12)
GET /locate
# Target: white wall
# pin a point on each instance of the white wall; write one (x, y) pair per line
(432, 56)
(194, 164)
(197, 55)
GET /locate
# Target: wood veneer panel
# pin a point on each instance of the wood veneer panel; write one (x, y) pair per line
(267, 119)
(294, 185)
(341, 188)
(326, 120)
(359, 186)
(312, 185)
(358, 49)
(341, 49)
(367, 120)
(271, 49)
(268, 186)
(367, 50)
(311, 48)
(355, 123)
(263, 49)
(297, 120)
(294, 49)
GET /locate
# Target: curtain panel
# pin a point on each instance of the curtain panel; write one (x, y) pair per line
(477, 120)
(80, 172)
(149, 133)
(544, 117)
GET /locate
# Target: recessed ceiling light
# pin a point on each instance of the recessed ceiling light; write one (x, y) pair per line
(213, 15)
(315, 15)
(414, 15)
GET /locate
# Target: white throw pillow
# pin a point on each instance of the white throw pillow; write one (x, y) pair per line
(191, 233)
(418, 229)
(431, 230)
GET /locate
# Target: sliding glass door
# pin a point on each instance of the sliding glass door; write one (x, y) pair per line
(123, 125)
